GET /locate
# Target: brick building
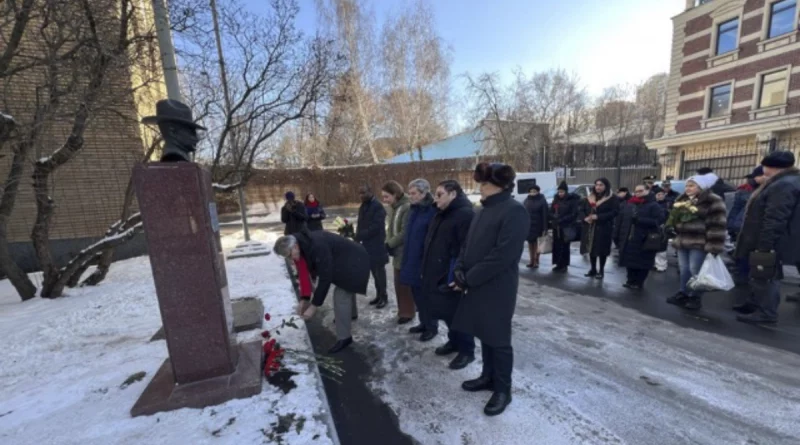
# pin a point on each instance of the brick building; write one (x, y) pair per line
(89, 190)
(734, 87)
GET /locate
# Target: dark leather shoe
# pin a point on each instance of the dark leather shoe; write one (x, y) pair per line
(591, 274)
(756, 318)
(497, 404)
(404, 320)
(678, 299)
(560, 269)
(461, 361)
(382, 303)
(428, 336)
(479, 384)
(745, 309)
(418, 329)
(339, 345)
(693, 304)
(445, 349)
(375, 301)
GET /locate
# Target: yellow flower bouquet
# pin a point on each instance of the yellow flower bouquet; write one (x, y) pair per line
(682, 212)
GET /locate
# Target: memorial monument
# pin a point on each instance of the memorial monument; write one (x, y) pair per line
(205, 366)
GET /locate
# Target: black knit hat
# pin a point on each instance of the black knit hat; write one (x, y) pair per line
(779, 159)
(705, 170)
(563, 186)
(501, 175)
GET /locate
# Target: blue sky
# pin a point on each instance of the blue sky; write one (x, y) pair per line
(604, 41)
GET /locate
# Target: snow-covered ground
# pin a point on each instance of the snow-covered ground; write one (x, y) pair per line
(64, 361)
(588, 371)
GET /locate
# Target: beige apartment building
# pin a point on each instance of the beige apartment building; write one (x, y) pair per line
(734, 86)
(89, 190)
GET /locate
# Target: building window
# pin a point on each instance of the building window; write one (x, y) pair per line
(781, 19)
(720, 103)
(727, 36)
(773, 89)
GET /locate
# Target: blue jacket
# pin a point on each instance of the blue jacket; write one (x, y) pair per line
(419, 218)
(736, 215)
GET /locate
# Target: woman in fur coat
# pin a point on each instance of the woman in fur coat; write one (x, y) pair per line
(696, 238)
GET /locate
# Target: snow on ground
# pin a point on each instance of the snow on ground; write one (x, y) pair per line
(64, 362)
(588, 371)
(272, 218)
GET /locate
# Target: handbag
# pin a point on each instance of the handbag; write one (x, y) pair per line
(656, 241)
(763, 265)
(545, 244)
(570, 234)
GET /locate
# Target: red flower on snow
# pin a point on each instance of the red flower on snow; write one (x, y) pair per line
(267, 317)
(265, 334)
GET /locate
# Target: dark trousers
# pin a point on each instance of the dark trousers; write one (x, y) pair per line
(560, 252)
(464, 343)
(424, 310)
(637, 276)
(379, 275)
(498, 361)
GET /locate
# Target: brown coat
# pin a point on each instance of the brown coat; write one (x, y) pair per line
(707, 232)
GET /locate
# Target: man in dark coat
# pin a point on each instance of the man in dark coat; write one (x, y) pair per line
(669, 194)
(538, 211)
(638, 218)
(447, 235)
(564, 214)
(293, 214)
(771, 225)
(371, 233)
(488, 272)
(332, 259)
(420, 215)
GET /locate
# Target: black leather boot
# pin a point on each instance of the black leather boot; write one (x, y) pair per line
(383, 302)
(461, 361)
(339, 345)
(375, 301)
(480, 384)
(497, 404)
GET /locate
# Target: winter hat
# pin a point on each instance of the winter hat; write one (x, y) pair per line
(501, 175)
(779, 159)
(758, 171)
(289, 196)
(704, 170)
(563, 186)
(705, 182)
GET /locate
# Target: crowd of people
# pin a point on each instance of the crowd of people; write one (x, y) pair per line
(459, 264)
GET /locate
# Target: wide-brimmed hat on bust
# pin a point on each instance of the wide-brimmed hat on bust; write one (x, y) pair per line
(168, 110)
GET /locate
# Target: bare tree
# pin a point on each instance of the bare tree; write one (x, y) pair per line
(617, 118)
(357, 92)
(416, 70)
(71, 50)
(651, 99)
(553, 97)
(258, 76)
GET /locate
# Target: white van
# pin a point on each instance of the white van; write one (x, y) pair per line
(524, 181)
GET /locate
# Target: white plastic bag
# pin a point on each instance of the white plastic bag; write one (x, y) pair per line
(713, 276)
(545, 244)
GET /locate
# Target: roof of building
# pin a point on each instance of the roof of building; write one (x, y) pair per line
(463, 145)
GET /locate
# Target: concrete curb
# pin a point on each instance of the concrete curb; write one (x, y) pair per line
(334, 435)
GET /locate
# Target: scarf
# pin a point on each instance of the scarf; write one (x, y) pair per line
(636, 200)
(304, 277)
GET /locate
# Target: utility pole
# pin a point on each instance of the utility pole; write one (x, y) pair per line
(228, 110)
(167, 49)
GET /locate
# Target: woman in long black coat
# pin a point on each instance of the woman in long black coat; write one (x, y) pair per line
(640, 217)
(446, 236)
(488, 272)
(564, 214)
(536, 205)
(371, 233)
(601, 209)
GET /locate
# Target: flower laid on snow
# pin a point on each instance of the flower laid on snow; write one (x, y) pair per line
(267, 316)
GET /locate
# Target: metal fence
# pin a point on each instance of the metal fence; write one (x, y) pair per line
(619, 177)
